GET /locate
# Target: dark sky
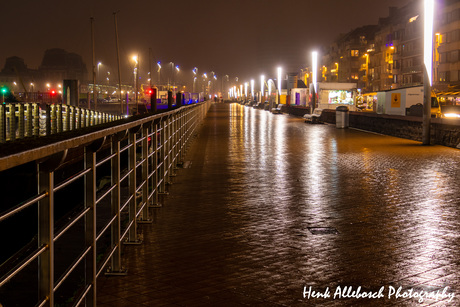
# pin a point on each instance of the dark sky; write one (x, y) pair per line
(243, 38)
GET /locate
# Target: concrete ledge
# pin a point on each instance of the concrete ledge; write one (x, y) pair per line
(444, 131)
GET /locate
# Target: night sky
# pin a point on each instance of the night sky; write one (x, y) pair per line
(237, 38)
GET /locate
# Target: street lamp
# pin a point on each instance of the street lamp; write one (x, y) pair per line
(3, 94)
(428, 61)
(252, 89)
(136, 73)
(195, 71)
(98, 65)
(177, 70)
(159, 72)
(262, 83)
(279, 86)
(314, 66)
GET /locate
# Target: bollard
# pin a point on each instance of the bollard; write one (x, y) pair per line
(153, 101)
(178, 99)
(170, 100)
(2, 123)
(29, 121)
(47, 119)
(12, 121)
(78, 117)
(36, 120)
(59, 118)
(21, 124)
(53, 119)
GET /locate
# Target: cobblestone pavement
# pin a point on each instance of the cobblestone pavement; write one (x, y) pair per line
(272, 206)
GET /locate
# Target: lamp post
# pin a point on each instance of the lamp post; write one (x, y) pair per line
(195, 71)
(136, 73)
(98, 67)
(279, 86)
(252, 89)
(262, 92)
(3, 94)
(428, 61)
(314, 65)
(246, 90)
(177, 70)
(159, 72)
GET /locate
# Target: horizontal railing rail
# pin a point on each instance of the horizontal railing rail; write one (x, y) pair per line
(141, 155)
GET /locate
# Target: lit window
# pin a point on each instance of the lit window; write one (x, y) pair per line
(354, 53)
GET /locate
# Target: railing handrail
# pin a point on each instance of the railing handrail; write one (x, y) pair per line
(62, 141)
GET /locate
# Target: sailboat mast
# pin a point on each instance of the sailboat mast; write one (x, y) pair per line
(118, 63)
(94, 68)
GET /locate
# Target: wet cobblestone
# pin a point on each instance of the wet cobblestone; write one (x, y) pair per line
(235, 228)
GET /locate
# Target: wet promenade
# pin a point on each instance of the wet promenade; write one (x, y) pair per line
(276, 212)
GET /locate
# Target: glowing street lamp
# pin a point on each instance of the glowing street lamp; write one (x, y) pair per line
(98, 65)
(136, 74)
(269, 88)
(314, 56)
(159, 71)
(314, 64)
(279, 80)
(428, 61)
(428, 38)
(262, 83)
(252, 88)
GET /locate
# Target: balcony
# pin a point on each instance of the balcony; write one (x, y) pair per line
(416, 69)
(411, 53)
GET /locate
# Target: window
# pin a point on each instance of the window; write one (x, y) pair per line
(354, 53)
(443, 57)
(454, 56)
(444, 76)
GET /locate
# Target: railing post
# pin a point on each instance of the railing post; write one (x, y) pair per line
(169, 148)
(45, 172)
(154, 162)
(132, 185)
(163, 160)
(90, 222)
(145, 173)
(175, 131)
(116, 268)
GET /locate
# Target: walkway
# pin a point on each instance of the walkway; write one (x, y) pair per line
(271, 206)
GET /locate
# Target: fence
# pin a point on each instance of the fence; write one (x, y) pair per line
(150, 149)
(19, 120)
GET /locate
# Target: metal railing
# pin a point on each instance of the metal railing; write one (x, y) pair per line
(153, 147)
(19, 120)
